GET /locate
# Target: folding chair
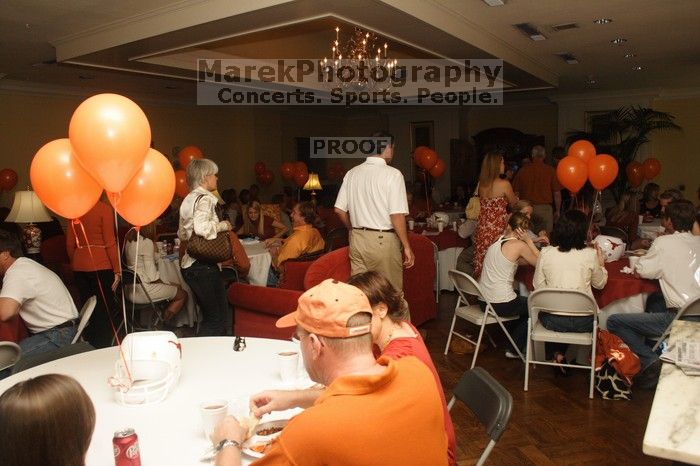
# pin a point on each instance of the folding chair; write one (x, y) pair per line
(466, 285)
(85, 314)
(488, 400)
(9, 354)
(561, 302)
(156, 306)
(691, 308)
(436, 258)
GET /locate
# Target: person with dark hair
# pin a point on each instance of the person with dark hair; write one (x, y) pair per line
(373, 206)
(254, 193)
(231, 208)
(334, 325)
(39, 296)
(571, 265)
(668, 196)
(501, 262)
(33, 422)
(673, 259)
(285, 218)
(649, 205)
(305, 239)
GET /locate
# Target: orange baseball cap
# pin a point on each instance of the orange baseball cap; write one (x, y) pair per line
(326, 308)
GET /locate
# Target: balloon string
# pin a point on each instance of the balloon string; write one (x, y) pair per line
(102, 293)
(120, 257)
(427, 198)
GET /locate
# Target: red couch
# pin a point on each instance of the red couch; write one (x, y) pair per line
(256, 309)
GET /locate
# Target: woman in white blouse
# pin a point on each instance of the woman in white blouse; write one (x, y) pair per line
(143, 262)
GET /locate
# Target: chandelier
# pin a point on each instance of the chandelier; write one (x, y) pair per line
(360, 64)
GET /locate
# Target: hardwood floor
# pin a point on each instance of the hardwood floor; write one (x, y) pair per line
(554, 423)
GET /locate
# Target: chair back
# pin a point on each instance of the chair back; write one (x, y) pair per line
(42, 358)
(85, 314)
(561, 301)
(490, 402)
(465, 285)
(9, 354)
(691, 308)
(337, 238)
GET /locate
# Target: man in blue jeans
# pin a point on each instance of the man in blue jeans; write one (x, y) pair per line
(673, 259)
(38, 296)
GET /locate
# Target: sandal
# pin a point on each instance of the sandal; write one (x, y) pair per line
(559, 358)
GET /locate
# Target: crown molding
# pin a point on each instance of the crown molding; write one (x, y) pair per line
(680, 93)
(650, 93)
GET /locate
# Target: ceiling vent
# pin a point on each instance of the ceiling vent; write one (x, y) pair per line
(530, 31)
(494, 2)
(568, 57)
(564, 27)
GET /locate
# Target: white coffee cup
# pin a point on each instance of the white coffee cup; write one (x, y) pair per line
(440, 226)
(213, 412)
(454, 225)
(411, 224)
(288, 364)
(641, 219)
(633, 262)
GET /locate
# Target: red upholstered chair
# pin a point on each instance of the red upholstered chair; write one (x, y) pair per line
(256, 308)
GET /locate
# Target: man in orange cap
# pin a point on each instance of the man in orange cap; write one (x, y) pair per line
(372, 412)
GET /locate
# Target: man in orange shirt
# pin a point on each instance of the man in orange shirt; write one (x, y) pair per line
(305, 239)
(372, 412)
(537, 182)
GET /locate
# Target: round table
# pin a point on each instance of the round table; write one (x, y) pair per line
(170, 433)
(450, 246)
(260, 261)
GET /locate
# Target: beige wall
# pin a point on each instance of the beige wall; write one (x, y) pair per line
(679, 151)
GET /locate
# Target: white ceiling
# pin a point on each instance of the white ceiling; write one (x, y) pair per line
(106, 36)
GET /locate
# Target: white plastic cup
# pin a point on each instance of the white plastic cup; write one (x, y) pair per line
(213, 412)
(633, 262)
(440, 226)
(289, 365)
(411, 224)
(454, 225)
(641, 219)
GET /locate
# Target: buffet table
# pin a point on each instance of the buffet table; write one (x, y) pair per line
(170, 433)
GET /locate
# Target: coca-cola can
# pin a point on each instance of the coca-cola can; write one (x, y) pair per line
(126, 448)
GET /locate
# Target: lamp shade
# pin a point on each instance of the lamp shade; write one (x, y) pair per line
(313, 184)
(27, 208)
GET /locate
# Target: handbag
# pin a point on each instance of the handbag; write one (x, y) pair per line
(474, 206)
(209, 250)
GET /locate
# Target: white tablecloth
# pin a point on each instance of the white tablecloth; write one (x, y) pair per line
(447, 261)
(260, 260)
(169, 270)
(170, 433)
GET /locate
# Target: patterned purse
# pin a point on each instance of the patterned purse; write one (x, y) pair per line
(209, 250)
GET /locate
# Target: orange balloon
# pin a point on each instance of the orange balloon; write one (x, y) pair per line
(287, 171)
(61, 183)
(425, 157)
(301, 177)
(8, 179)
(181, 187)
(572, 173)
(602, 171)
(582, 149)
(652, 167)
(260, 168)
(110, 136)
(266, 177)
(149, 193)
(635, 173)
(438, 169)
(300, 167)
(188, 154)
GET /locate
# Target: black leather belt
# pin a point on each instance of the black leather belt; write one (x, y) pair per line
(68, 323)
(391, 230)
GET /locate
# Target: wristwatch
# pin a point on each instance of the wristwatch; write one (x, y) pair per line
(227, 443)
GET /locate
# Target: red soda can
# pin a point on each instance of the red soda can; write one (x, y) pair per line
(126, 448)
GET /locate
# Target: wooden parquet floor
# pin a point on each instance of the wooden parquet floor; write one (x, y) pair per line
(554, 423)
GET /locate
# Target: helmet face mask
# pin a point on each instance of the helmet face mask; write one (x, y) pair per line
(149, 370)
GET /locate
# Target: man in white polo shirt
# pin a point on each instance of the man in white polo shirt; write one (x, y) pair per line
(372, 203)
(38, 296)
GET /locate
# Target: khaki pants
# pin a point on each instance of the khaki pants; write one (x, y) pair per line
(379, 252)
(544, 211)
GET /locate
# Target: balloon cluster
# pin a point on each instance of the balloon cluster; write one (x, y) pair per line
(428, 160)
(637, 172)
(108, 147)
(8, 179)
(295, 171)
(581, 164)
(185, 156)
(262, 174)
(336, 171)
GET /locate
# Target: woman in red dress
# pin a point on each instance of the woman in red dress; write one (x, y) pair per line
(495, 195)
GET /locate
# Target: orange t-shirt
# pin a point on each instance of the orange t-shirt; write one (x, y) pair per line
(99, 228)
(536, 182)
(392, 418)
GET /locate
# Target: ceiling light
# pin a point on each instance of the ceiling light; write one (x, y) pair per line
(638, 68)
(568, 57)
(2, 75)
(494, 2)
(630, 55)
(603, 21)
(530, 31)
(618, 41)
(591, 80)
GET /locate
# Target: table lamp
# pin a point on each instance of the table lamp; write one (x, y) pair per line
(313, 185)
(27, 209)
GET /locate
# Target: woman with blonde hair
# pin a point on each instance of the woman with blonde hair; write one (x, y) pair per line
(495, 195)
(255, 223)
(34, 427)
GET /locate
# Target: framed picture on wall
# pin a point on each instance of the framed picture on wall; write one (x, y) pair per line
(595, 119)
(422, 134)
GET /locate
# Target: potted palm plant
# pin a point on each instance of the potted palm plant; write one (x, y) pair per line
(621, 133)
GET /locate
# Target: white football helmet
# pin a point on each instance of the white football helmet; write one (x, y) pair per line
(440, 217)
(148, 367)
(613, 248)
